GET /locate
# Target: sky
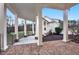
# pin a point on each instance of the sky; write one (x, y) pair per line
(73, 13)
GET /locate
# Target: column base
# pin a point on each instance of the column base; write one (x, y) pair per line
(39, 44)
(4, 49)
(16, 40)
(66, 40)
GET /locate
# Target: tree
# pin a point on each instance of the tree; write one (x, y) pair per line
(72, 26)
(75, 31)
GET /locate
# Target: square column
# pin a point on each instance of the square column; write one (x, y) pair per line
(25, 29)
(33, 31)
(36, 32)
(65, 27)
(16, 28)
(3, 27)
(43, 27)
(46, 26)
(39, 26)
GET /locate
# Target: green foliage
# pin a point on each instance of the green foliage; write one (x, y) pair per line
(58, 30)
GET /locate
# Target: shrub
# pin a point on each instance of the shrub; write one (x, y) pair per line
(58, 30)
(50, 32)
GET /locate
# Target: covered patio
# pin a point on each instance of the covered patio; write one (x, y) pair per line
(33, 12)
(57, 47)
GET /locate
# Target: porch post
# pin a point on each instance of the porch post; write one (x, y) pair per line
(33, 31)
(16, 28)
(39, 26)
(36, 27)
(43, 27)
(3, 27)
(65, 27)
(25, 29)
(46, 26)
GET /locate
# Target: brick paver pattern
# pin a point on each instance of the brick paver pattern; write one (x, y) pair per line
(57, 47)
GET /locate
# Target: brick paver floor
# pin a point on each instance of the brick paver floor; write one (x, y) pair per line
(57, 47)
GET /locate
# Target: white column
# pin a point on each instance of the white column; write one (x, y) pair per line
(25, 28)
(46, 26)
(3, 27)
(39, 26)
(36, 32)
(16, 27)
(33, 28)
(43, 27)
(65, 27)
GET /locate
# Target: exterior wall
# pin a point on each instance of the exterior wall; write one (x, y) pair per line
(44, 27)
(51, 26)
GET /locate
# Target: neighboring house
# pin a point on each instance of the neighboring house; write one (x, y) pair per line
(51, 24)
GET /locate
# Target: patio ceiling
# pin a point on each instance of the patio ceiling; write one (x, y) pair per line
(28, 10)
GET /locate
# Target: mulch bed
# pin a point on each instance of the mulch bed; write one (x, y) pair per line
(52, 38)
(55, 37)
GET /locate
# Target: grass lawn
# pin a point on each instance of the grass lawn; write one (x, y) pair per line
(11, 36)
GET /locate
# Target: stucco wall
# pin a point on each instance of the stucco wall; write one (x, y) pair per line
(51, 26)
